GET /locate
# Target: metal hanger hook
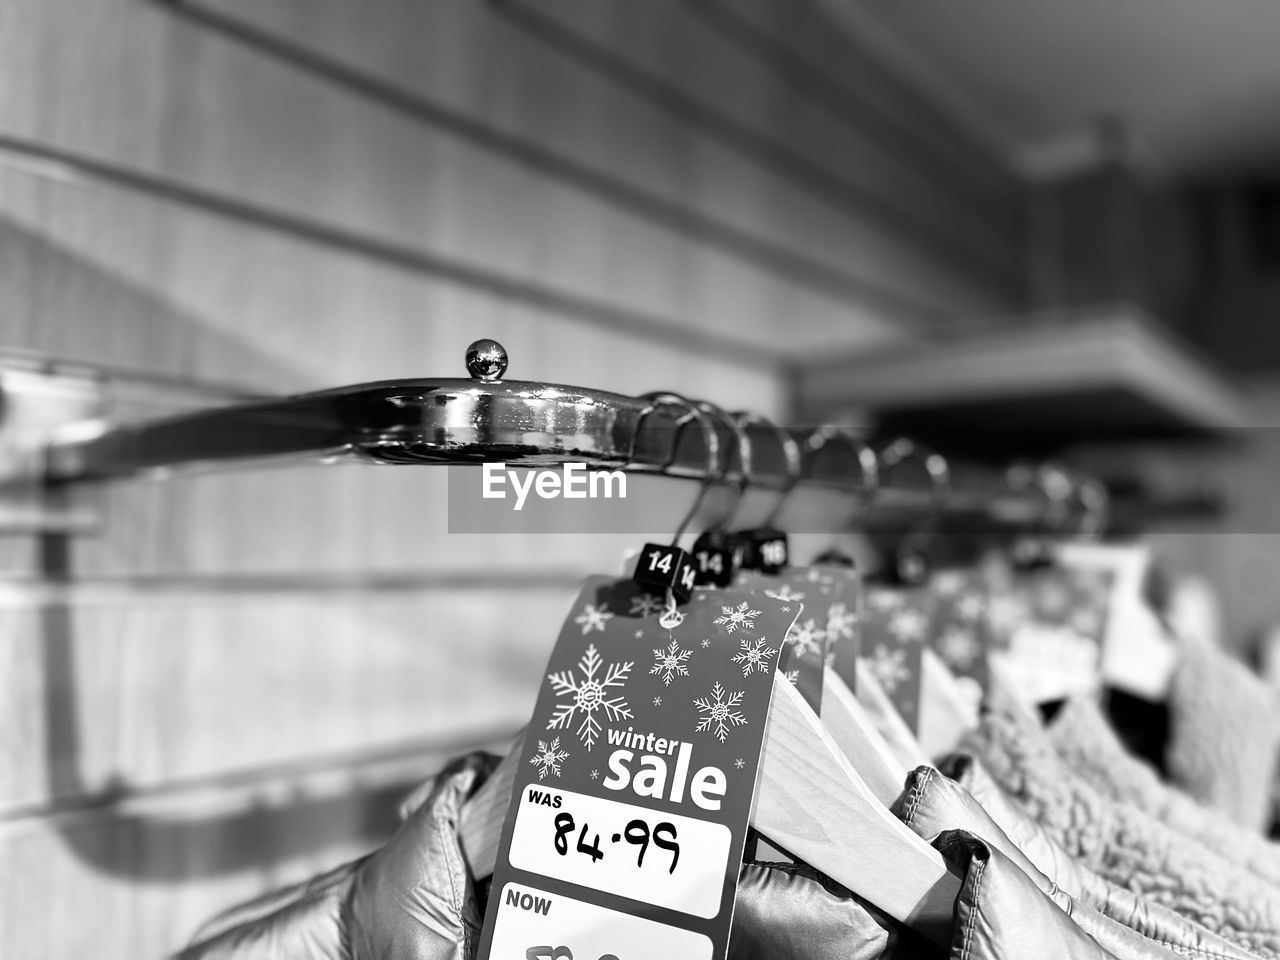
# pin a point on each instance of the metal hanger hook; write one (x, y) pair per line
(790, 451)
(1096, 507)
(910, 561)
(868, 462)
(714, 467)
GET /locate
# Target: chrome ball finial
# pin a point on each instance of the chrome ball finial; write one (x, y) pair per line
(486, 360)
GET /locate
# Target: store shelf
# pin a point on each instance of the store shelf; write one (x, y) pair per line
(1111, 375)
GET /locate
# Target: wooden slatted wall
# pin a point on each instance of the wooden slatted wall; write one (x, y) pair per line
(229, 686)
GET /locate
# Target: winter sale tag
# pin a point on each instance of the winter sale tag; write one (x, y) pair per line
(895, 623)
(807, 644)
(629, 811)
(959, 629)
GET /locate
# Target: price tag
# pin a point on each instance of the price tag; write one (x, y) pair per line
(844, 621)
(808, 642)
(959, 630)
(895, 623)
(1048, 630)
(629, 810)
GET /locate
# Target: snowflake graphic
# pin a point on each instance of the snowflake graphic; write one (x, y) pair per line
(549, 758)
(970, 606)
(947, 583)
(739, 763)
(908, 625)
(669, 663)
(646, 604)
(754, 656)
(884, 599)
(793, 676)
(889, 667)
(806, 639)
(595, 774)
(959, 647)
(784, 593)
(657, 701)
(705, 643)
(840, 621)
(742, 616)
(589, 694)
(593, 617)
(720, 713)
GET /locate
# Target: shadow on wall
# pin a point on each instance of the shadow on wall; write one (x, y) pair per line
(60, 303)
(155, 848)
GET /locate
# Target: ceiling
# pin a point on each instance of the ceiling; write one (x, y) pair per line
(1195, 83)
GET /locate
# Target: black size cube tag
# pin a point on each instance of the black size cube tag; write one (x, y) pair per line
(714, 559)
(764, 549)
(663, 568)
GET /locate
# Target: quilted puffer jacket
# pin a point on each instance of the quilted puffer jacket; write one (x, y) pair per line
(414, 900)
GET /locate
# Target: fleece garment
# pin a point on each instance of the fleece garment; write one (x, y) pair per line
(1122, 843)
(1091, 748)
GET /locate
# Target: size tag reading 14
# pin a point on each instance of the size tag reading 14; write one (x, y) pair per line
(629, 810)
(666, 568)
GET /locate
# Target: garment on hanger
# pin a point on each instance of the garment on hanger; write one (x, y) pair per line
(1086, 741)
(1122, 843)
(1116, 918)
(1224, 733)
(415, 899)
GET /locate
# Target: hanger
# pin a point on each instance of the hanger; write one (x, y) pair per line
(848, 724)
(910, 563)
(946, 713)
(844, 717)
(868, 483)
(851, 727)
(886, 719)
(811, 801)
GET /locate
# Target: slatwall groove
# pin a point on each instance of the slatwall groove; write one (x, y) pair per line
(764, 254)
(57, 234)
(135, 698)
(540, 297)
(989, 258)
(370, 766)
(27, 591)
(474, 206)
(822, 83)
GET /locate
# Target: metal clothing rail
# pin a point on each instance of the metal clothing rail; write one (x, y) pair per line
(488, 419)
